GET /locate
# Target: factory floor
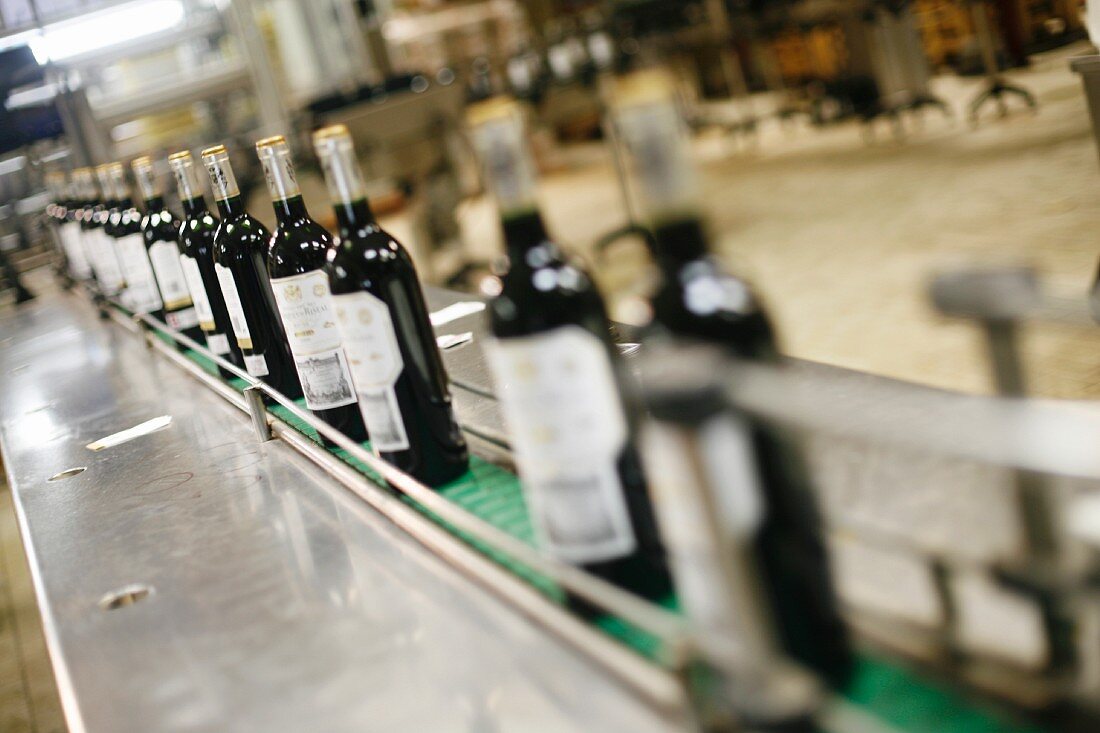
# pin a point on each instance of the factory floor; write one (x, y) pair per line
(839, 234)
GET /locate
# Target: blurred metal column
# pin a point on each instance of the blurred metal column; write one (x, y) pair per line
(273, 116)
(371, 21)
(1089, 69)
(89, 142)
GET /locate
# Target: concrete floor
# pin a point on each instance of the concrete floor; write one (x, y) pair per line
(840, 236)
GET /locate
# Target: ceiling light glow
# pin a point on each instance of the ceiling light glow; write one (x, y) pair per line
(97, 31)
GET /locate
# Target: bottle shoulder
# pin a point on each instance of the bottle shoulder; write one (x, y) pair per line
(702, 300)
(160, 226)
(241, 236)
(196, 235)
(298, 246)
(368, 250)
(554, 294)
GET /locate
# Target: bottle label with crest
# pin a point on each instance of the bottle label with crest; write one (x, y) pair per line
(141, 286)
(305, 307)
(376, 364)
(193, 277)
(165, 257)
(562, 406)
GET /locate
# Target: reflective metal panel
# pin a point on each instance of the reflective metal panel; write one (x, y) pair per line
(194, 579)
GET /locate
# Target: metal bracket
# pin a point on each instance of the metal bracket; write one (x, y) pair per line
(142, 329)
(254, 399)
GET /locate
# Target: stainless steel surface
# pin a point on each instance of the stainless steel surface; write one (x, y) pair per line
(277, 600)
(666, 626)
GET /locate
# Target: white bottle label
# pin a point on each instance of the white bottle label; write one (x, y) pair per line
(218, 343)
(256, 365)
(165, 257)
(74, 250)
(370, 342)
(305, 306)
(726, 458)
(234, 307)
(141, 287)
(193, 276)
(561, 402)
(105, 261)
(182, 319)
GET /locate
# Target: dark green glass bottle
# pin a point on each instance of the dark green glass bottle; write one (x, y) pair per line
(295, 263)
(560, 384)
(123, 225)
(160, 232)
(697, 299)
(395, 362)
(86, 200)
(100, 247)
(196, 248)
(240, 263)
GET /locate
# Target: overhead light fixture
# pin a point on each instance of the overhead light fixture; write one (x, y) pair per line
(112, 27)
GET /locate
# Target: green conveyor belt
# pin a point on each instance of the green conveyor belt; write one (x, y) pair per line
(898, 697)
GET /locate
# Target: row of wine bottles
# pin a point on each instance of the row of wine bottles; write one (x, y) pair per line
(340, 322)
(343, 321)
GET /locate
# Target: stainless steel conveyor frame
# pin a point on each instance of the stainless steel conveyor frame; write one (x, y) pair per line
(226, 639)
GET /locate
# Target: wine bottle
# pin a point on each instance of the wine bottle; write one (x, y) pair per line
(71, 236)
(697, 299)
(55, 214)
(99, 247)
(66, 227)
(84, 194)
(560, 383)
(160, 232)
(141, 294)
(196, 247)
(295, 263)
(240, 264)
(75, 216)
(396, 367)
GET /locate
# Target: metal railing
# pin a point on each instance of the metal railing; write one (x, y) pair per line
(662, 683)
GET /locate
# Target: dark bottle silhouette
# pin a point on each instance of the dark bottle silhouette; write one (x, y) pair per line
(196, 246)
(295, 263)
(240, 264)
(395, 362)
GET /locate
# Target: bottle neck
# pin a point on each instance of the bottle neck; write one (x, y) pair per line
(230, 207)
(522, 232)
(353, 215)
(154, 203)
(194, 207)
(290, 209)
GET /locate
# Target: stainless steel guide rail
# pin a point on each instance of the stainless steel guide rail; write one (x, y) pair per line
(677, 645)
(667, 685)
